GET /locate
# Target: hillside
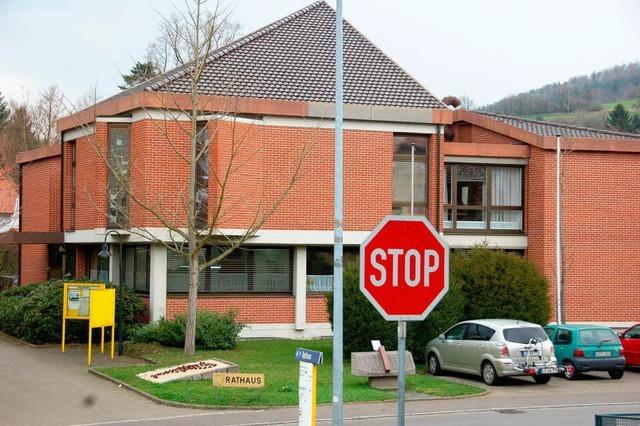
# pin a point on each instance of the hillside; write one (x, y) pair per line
(584, 100)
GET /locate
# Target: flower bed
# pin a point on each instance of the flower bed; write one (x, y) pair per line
(199, 370)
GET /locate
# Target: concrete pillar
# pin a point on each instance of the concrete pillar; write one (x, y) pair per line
(300, 286)
(158, 282)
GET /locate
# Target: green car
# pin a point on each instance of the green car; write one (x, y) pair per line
(582, 347)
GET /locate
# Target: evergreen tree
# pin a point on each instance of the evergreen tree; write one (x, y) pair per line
(622, 120)
(4, 111)
(141, 71)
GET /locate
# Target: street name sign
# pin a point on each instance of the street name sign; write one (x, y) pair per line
(307, 385)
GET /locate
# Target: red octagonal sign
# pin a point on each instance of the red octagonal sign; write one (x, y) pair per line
(404, 268)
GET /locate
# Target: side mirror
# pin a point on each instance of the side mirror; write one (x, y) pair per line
(441, 337)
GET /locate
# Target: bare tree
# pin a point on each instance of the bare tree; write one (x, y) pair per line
(191, 219)
(45, 113)
(467, 103)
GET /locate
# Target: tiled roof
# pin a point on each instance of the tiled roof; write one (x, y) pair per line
(294, 59)
(546, 128)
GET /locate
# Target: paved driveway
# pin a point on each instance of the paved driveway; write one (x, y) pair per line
(43, 386)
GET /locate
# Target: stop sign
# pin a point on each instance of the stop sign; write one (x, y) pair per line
(404, 268)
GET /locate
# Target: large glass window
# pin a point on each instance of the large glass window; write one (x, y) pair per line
(136, 270)
(202, 175)
(483, 197)
(255, 269)
(320, 266)
(118, 175)
(402, 145)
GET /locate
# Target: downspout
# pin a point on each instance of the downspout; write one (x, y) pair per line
(62, 183)
(438, 185)
(19, 223)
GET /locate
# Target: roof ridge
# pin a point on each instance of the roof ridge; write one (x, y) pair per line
(181, 70)
(556, 124)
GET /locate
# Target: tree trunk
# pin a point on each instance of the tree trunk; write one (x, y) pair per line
(190, 332)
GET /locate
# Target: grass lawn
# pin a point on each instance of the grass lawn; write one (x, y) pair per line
(274, 358)
(570, 117)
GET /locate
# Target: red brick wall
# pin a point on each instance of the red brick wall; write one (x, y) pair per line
(250, 309)
(468, 133)
(317, 309)
(40, 196)
(34, 263)
(601, 225)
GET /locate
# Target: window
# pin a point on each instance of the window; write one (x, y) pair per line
(597, 336)
(202, 175)
(97, 266)
(478, 332)
(72, 146)
(402, 174)
(482, 197)
(524, 334)
(320, 266)
(633, 333)
(456, 333)
(136, 270)
(118, 175)
(563, 337)
(258, 270)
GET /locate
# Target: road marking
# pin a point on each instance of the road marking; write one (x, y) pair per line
(359, 418)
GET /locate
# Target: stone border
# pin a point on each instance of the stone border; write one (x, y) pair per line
(161, 401)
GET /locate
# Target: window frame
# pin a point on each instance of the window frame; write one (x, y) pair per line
(486, 209)
(418, 158)
(127, 220)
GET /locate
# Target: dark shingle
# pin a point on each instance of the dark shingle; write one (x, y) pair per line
(546, 128)
(294, 59)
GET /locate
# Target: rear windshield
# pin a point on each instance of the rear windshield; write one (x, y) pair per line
(597, 335)
(524, 334)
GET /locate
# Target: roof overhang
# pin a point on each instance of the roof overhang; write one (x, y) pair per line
(15, 237)
(254, 106)
(40, 153)
(548, 142)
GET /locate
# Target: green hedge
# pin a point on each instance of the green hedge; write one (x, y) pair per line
(213, 331)
(34, 313)
(483, 283)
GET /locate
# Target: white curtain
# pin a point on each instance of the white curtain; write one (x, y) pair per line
(506, 191)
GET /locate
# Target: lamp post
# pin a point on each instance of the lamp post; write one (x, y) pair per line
(105, 253)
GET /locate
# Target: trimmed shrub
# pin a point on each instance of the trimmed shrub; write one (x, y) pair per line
(363, 323)
(213, 331)
(498, 284)
(34, 313)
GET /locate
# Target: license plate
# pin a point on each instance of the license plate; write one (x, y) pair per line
(603, 353)
(546, 370)
(529, 353)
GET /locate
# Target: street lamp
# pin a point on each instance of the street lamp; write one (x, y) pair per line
(105, 253)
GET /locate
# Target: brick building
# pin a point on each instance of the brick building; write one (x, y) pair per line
(478, 178)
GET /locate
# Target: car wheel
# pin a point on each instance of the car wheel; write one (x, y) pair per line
(570, 372)
(542, 378)
(616, 373)
(434, 365)
(489, 374)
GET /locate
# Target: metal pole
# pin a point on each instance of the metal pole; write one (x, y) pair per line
(337, 232)
(120, 318)
(402, 325)
(558, 233)
(402, 338)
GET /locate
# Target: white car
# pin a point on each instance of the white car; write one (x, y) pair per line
(494, 348)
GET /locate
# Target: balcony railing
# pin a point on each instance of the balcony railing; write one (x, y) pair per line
(320, 283)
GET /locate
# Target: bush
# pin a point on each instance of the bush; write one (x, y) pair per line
(498, 284)
(363, 323)
(34, 313)
(213, 331)
(483, 283)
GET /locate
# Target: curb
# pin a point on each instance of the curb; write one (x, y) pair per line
(165, 402)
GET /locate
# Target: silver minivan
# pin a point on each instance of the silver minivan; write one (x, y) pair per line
(493, 348)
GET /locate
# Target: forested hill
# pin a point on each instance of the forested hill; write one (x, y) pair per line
(584, 93)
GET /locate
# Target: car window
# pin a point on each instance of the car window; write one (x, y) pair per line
(633, 333)
(472, 332)
(549, 331)
(595, 336)
(563, 337)
(456, 333)
(524, 334)
(485, 332)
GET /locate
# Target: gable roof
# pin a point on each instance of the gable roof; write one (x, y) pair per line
(294, 59)
(547, 128)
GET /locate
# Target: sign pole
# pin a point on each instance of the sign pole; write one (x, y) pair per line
(337, 233)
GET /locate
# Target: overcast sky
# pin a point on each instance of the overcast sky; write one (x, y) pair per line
(484, 49)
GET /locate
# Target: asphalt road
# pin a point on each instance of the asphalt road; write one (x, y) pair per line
(43, 386)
